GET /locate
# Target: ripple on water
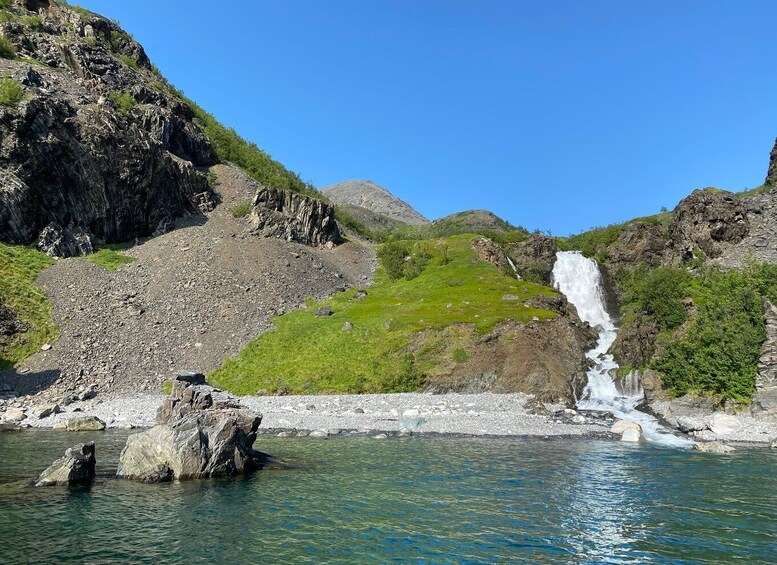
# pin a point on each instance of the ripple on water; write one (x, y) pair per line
(436, 501)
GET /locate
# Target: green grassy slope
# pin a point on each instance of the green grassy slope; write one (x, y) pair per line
(20, 266)
(309, 354)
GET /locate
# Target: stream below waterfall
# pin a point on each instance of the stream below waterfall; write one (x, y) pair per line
(579, 279)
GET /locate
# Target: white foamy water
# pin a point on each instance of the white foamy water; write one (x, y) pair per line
(578, 277)
(512, 266)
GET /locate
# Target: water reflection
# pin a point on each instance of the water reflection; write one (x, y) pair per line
(430, 501)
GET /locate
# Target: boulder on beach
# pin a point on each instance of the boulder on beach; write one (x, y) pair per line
(208, 443)
(724, 424)
(85, 424)
(687, 424)
(76, 467)
(622, 425)
(713, 447)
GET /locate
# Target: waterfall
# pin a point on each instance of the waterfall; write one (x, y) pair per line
(580, 280)
(512, 266)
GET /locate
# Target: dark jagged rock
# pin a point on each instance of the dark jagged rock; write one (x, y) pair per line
(76, 467)
(535, 257)
(291, 216)
(771, 174)
(635, 343)
(56, 241)
(102, 150)
(705, 221)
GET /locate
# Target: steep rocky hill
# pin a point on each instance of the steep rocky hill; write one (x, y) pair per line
(375, 198)
(96, 144)
(472, 221)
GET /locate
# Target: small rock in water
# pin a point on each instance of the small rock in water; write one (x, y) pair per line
(631, 435)
(76, 467)
(621, 426)
(379, 436)
(319, 434)
(774, 443)
(713, 447)
(286, 434)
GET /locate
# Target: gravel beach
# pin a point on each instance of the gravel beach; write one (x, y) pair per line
(470, 414)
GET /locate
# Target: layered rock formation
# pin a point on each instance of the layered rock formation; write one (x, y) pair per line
(98, 146)
(765, 397)
(195, 437)
(293, 217)
(370, 196)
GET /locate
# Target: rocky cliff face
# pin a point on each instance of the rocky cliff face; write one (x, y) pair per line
(765, 397)
(534, 258)
(707, 220)
(366, 194)
(98, 146)
(293, 217)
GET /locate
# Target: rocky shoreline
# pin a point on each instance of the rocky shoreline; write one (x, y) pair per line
(386, 415)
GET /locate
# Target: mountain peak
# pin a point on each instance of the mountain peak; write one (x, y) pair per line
(375, 198)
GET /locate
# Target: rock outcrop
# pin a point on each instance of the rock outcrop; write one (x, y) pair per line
(201, 433)
(640, 243)
(707, 220)
(202, 445)
(76, 467)
(765, 397)
(98, 146)
(293, 217)
(490, 252)
(771, 173)
(534, 258)
(370, 196)
(546, 359)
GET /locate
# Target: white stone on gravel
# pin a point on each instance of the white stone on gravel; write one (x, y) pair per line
(724, 424)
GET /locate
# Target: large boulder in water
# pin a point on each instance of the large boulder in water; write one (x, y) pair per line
(76, 467)
(207, 443)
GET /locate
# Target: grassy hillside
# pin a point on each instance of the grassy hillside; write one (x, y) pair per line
(309, 354)
(20, 267)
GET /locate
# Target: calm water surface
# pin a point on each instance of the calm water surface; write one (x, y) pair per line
(358, 500)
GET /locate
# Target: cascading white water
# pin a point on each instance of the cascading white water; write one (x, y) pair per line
(580, 280)
(512, 266)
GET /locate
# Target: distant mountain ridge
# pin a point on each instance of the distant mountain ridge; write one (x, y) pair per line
(474, 221)
(373, 197)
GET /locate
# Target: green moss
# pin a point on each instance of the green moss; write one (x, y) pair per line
(11, 92)
(7, 49)
(241, 209)
(167, 387)
(124, 101)
(20, 267)
(110, 256)
(309, 354)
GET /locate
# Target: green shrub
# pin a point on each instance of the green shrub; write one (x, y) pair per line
(460, 355)
(5, 4)
(659, 294)
(7, 49)
(35, 22)
(241, 210)
(129, 61)
(11, 92)
(124, 101)
(719, 352)
(392, 258)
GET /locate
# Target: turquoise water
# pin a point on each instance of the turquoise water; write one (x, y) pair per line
(358, 500)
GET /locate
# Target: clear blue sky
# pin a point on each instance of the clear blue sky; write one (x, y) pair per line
(557, 115)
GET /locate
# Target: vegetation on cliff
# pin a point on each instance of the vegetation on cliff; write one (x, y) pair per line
(20, 266)
(365, 344)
